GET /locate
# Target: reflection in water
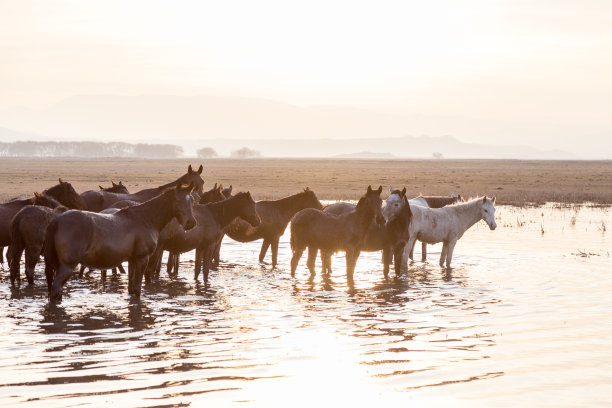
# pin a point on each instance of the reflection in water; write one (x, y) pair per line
(520, 320)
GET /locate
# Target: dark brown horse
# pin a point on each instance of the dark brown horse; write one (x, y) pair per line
(315, 229)
(275, 215)
(89, 195)
(213, 195)
(398, 234)
(28, 235)
(103, 241)
(376, 238)
(211, 220)
(63, 193)
(115, 188)
(99, 200)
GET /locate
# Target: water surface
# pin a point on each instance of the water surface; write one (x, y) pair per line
(523, 319)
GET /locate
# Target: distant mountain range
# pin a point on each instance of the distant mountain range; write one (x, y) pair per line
(281, 129)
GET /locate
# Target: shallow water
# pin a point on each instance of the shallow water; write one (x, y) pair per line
(523, 319)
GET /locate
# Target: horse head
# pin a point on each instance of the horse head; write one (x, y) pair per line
(488, 211)
(66, 195)
(248, 209)
(311, 200)
(394, 203)
(195, 177)
(182, 206)
(372, 203)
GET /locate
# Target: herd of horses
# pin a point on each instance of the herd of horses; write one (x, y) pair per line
(101, 229)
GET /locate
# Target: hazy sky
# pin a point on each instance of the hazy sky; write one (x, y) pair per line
(530, 61)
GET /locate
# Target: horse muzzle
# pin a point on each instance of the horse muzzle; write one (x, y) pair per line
(380, 220)
(492, 227)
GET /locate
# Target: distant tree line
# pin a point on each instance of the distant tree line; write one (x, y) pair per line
(89, 149)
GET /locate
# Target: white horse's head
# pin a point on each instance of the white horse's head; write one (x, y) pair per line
(488, 211)
(394, 203)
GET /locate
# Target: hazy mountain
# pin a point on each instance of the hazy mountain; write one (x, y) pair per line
(389, 147)
(198, 121)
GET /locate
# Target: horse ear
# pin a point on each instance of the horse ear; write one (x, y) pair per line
(200, 169)
(60, 180)
(120, 183)
(36, 194)
(101, 188)
(215, 187)
(390, 189)
(494, 200)
(113, 183)
(369, 189)
(484, 199)
(220, 187)
(404, 192)
(379, 190)
(189, 169)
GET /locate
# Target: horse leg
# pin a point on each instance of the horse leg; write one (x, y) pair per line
(139, 269)
(444, 252)
(323, 260)
(14, 254)
(398, 254)
(81, 271)
(63, 273)
(215, 261)
(411, 254)
(449, 252)
(170, 262)
(387, 255)
(274, 244)
(423, 251)
(177, 260)
(207, 254)
(121, 270)
(32, 255)
(408, 248)
(264, 248)
(198, 263)
(351, 262)
(295, 258)
(312, 258)
(103, 275)
(50, 275)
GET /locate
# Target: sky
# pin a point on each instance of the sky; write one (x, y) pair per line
(535, 61)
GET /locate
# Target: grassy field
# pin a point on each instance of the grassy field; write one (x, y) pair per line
(516, 182)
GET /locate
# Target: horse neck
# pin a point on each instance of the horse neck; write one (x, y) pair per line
(288, 206)
(364, 215)
(157, 211)
(225, 211)
(468, 213)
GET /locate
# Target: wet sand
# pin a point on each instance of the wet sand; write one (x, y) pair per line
(514, 182)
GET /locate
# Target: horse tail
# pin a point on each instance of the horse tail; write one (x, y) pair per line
(16, 247)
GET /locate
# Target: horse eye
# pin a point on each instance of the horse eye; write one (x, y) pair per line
(486, 210)
(396, 205)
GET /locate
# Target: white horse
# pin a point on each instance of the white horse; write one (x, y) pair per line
(447, 224)
(395, 202)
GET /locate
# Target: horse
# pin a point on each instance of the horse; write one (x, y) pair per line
(211, 220)
(376, 238)
(314, 229)
(397, 234)
(213, 195)
(447, 224)
(394, 203)
(63, 193)
(88, 196)
(275, 215)
(103, 241)
(99, 200)
(27, 229)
